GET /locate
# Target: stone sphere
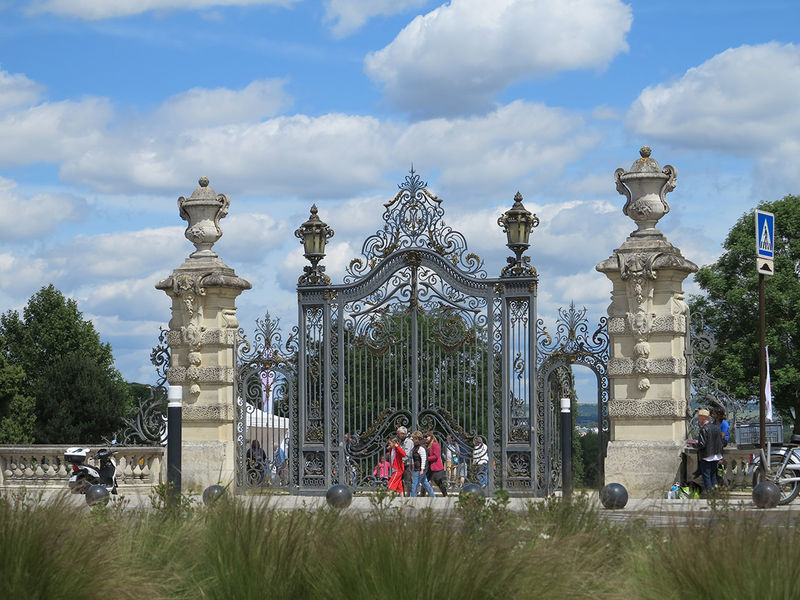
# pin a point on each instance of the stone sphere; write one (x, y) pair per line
(339, 496)
(614, 496)
(472, 489)
(213, 493)
(97, 494)
(766, 495)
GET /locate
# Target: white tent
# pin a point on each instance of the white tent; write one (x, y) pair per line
(267, 428)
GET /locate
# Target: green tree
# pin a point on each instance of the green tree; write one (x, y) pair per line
(730, 308)
(17, 411)
(590, 447)
(79, 394)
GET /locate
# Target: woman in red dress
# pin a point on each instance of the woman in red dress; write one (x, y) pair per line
(396, 460)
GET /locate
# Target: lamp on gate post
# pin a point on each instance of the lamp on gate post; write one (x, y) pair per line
(518, 223)
(566, 449)
(174, 440)
(314, 235)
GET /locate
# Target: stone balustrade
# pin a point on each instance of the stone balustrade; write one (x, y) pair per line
(43, 466)
(735, 463)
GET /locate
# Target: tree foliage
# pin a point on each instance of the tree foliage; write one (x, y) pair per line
(59, 360)
(729, 308)
(17, 411)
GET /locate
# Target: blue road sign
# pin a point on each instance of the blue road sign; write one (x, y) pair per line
(765, 234)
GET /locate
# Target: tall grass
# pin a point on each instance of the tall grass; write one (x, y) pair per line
(732, 558)
(52, 550)
(244, 549)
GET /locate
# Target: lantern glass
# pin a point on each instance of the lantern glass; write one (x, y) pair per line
(314, 241)
(517, 231)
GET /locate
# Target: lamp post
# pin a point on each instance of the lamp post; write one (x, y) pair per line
(518, 223)
(566, 449)
(174, 440)
(314, 235)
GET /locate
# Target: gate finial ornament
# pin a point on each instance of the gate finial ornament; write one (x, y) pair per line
(203, 210)
(645, 186)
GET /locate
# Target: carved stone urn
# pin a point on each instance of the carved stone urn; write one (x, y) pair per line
(645, 186)
(203, 211)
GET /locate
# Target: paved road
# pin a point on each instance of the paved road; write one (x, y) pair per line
(655, 512)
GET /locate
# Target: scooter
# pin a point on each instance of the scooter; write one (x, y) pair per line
(84, 475)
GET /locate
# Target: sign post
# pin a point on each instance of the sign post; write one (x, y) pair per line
(765, 255)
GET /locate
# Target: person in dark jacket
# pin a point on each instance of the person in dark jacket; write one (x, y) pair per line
(709, 449)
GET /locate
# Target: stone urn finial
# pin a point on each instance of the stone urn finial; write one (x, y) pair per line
(645, 186)
(203, 210)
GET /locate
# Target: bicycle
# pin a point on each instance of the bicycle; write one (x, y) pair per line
(779, 462)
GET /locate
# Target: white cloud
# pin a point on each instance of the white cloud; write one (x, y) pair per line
(338, 155)
(455, 58)
(16, 90)
(200, 107)
(134, 298)
(92, 10)
(587, 287)
(21, 276)
(52, 131)
(513, 146)
(350, 15)
(230, 134)
(740, 102)
(27, 218)
(332, 154)
(127, 253)
(247, 237)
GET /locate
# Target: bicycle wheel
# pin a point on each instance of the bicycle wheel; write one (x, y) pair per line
(789, 490)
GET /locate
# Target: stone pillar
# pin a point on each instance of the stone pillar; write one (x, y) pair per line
(647, 335)
(202, 340)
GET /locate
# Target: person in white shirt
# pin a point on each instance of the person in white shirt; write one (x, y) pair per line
(407, 445)
(480, 460)
(419, 464)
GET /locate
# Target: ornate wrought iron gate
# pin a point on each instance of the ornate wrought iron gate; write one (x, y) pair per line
(266, 409)
(417, 335)
(572, 346)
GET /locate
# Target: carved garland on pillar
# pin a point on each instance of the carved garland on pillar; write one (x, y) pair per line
(637, 272)
(189, 289)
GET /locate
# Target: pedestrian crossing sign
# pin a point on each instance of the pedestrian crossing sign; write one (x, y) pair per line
(765, 235)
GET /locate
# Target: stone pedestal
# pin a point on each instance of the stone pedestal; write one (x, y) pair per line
(202, 339)
(647, 335)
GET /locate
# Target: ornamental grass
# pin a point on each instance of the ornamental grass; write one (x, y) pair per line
(244, 548)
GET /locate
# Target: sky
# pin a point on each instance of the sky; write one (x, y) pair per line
(109, 111)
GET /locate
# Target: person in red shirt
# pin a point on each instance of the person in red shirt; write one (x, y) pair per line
(396, 460)
(436, 467)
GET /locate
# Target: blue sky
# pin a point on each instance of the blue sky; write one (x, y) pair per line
(110, 110)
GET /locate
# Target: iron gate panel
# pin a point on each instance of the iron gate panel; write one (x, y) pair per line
(417, 335)
(572, 345)
(266, 408)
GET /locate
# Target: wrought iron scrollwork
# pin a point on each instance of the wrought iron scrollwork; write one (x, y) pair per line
(413, 219)
(146, 425)
(266, 386)
(575, 343)
(704, 387)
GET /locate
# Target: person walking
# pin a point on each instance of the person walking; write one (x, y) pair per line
(397, 455)
(480, 460)
(451, 460)
(407, 445)
(435, 465)
(419, 461)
